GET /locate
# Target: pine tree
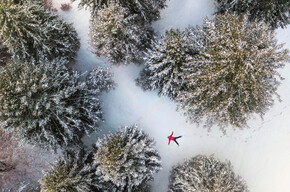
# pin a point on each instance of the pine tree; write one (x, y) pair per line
(127, 159)
(166, 62)
(274, 12)
(236, 74)
(149, 10)
(101, 78)
(33, 33)
(21, 2)
(4, 55)
(203, 173)
(120, 35)
(75, 172)
(47, 104)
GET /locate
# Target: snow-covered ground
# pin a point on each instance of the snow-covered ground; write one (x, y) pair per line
(260, 154)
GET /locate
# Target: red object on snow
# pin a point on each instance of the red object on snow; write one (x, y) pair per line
(171, 138)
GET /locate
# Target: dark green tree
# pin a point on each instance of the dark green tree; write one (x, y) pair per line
(166, 62)
(273, 12)
(203, 173)
(149, 10)
(120, 35)
(5, 56)
(33, 33)
(124, 161)
(21, 2)
(48, 104)
(236, 73)
(127, 159)
(74, 172)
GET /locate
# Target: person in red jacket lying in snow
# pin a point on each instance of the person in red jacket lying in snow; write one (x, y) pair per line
(171, 138)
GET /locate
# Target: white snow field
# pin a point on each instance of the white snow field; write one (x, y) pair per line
(260, 154)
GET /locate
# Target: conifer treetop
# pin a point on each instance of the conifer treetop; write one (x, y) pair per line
(33, 33)
(48, 104)
(202, 173)
(274, 12)
(166, 62)
(236, 75)
(127, 158)
(149, 10)
(74, 172)
(120, 35)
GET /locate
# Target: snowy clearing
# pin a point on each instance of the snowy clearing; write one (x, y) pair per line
(259, 154)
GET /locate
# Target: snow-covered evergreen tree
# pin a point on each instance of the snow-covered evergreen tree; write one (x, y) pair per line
(124, 161)
(166, 62)
(236, 74)
(33, 33)
(203, 173)
(274, 12)
(4, 55)
(120, 35)
(74, 172)
(100, 78)
(149, 10)
(21, 2)
(47, 104)
(127, 159)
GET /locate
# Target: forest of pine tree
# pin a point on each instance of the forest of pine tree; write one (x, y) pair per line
(124, 161)
(223, 72)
